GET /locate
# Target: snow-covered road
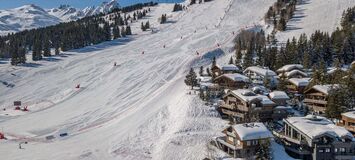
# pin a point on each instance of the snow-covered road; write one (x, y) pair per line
(137, 110)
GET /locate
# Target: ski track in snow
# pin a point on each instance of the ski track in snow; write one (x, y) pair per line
(139, 109)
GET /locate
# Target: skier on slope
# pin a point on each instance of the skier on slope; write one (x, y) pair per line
(115, 64)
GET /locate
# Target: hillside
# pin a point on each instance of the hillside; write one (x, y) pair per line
(140, 110)
(312, 15)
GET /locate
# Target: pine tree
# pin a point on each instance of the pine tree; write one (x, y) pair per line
(263, 151)
(208, 72)
(306, 60)
(214, 63)
(191, 79)
(123, 32)
(238, 57)
(143, 27)
(201, 71)
(147, 25)
(116, 32)
(231, 60)
(128, 30)
(336, 103)
(281, 26)
(282, 83)
(46, 48)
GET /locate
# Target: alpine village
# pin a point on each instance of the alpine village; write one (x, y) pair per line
(298, 94)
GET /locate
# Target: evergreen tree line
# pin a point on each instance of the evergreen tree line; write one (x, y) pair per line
(280, 13)
(254, 48)
(178, 7)
(70, 35)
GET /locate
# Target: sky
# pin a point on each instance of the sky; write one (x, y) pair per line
(7, 4)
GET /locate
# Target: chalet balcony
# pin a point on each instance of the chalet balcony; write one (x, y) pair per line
(307, 100)
(222, 141)
(233, 113)
(292, 140)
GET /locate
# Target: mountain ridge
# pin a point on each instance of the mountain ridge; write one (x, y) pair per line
(32, 16)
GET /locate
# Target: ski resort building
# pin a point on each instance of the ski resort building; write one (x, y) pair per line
(279, 97)
(232, 81)
(260, 75)
(348, 121)
(245, 106)
(225, 69)
(243, 140)
(316, 98)
(292, 71)
(317, 138)
(297, 85)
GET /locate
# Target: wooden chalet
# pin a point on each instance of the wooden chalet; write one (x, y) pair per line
(316, 98)
(242, 140)
(232, 81)
(243, 105)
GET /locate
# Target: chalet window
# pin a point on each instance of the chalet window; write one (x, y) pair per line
(248, 143)
(321, 151)
(255, 142)
(342, 150)
(327, 150)
(238, 142)
(230, 139)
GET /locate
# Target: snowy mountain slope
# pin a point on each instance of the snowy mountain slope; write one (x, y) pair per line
(137, 110)
(66, 13)
(312, 15)
(25, 17)
(32, 16)
(105, 7)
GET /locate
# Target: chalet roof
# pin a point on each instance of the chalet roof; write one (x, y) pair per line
(290, 67)
(229, 67)
(205, 78)
(278, 95)
(294, 72)
(299, 82)
(261, 71)
(332, 70)
(249, 96)
(235, 77)
(251, 131)
(350, 114)
(314, 126)
(324, 88)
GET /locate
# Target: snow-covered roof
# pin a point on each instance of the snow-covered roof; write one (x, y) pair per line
(250, 131)
(248, 96)
(235, 77)
(350, 114)
(230, 67)
(332, 70)
(261, 71)
(294, 72)
(314, 126)
(205, 79)
(278, 95)
(324, 88)
(300, 82)
(290, 67)
(283, 107)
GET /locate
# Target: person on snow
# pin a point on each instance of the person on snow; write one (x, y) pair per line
(77, 86)
(142, 52)
(115, 64)
(197, 53)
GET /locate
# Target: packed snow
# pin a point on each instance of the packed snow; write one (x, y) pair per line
(312, 15)
(139, 109)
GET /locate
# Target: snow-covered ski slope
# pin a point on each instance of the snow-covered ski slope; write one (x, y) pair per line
(139, 109)
(312, 15)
